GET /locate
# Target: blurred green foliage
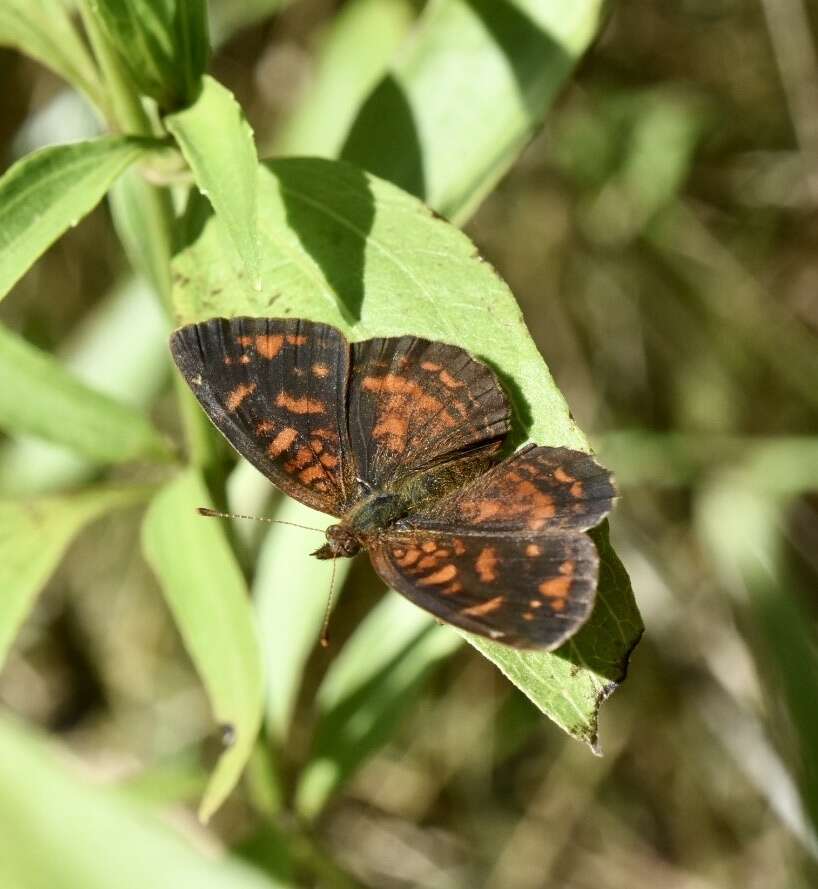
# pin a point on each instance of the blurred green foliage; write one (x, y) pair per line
(658, 232)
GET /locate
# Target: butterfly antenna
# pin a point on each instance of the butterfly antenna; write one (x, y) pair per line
(328, 610)
(213, 513)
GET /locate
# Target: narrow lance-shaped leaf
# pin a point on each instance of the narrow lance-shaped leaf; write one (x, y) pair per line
(217, 142)
(368, 688)
(207, 594)
(50, 190)
(34, 534)
(43, 31)
(351, 250)
(108, 840)
(39, 397)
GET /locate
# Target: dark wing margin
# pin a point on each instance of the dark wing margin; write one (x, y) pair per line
(530, 593)
(276, 389)
(416, 404)
(538, 489)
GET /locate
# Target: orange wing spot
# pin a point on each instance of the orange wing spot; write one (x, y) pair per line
(310, 474)
(485, 564)
(242, 391)
(577, 489)
(304, 456)
(430, 365)
(317, 445)
(442, 554)
(533, 550)
(320, 485)
(398, 553)
(528, 615)
(449, 381)
(567, 567)
(269, 345)
(460, 408)
(486, 509)
(228, 360)
(562, 476)
(535, 603)
(264, 427)
(428, 546)
(282, 442)
(410, 558)
(428, 562)
(396, 385)
(320, 370)
(244, 341)
(294, 340)
(452, 588)
(394, 429)
(329, 460)
(459, 549)
(485, 607)
(326, 434)
(301, 405)
(446, 573)
(556, 589)
(245, 359)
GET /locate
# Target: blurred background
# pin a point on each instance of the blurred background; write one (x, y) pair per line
(660, 234)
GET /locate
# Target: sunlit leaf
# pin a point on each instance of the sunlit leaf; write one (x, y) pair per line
(217, 142)
(345, 248)
(50, 190)
(207, 594)
(42, 29)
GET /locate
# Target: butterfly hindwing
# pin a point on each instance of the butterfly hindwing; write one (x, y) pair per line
(416, 404)
(276, 389)
(527, 592)
(537, 489)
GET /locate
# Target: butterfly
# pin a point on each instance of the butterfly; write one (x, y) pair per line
(400, 439)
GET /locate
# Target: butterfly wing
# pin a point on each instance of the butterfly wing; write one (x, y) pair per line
(525, 592)
(538, 489)
(276, 389)
(415, 405)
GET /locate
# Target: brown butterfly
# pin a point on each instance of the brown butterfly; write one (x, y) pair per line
(399, 438)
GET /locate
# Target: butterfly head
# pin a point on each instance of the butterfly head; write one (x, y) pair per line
(341, 541)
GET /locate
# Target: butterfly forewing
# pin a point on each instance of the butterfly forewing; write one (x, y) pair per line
(276, 389)
(537, 489)
(526, 592)
(416, 404)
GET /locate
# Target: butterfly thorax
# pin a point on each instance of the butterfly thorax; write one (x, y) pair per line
(364, 522)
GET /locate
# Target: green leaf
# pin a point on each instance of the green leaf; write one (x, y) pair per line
(368, 688)
(353, 54)
(290, 590)
(217, 142)
(207, 594)
(502, 64)
(43, 30)
(50, 190)
(92, 354)
(39, 397)
(34, 534)
(115, 843)
(346, 248)
(162, 43)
